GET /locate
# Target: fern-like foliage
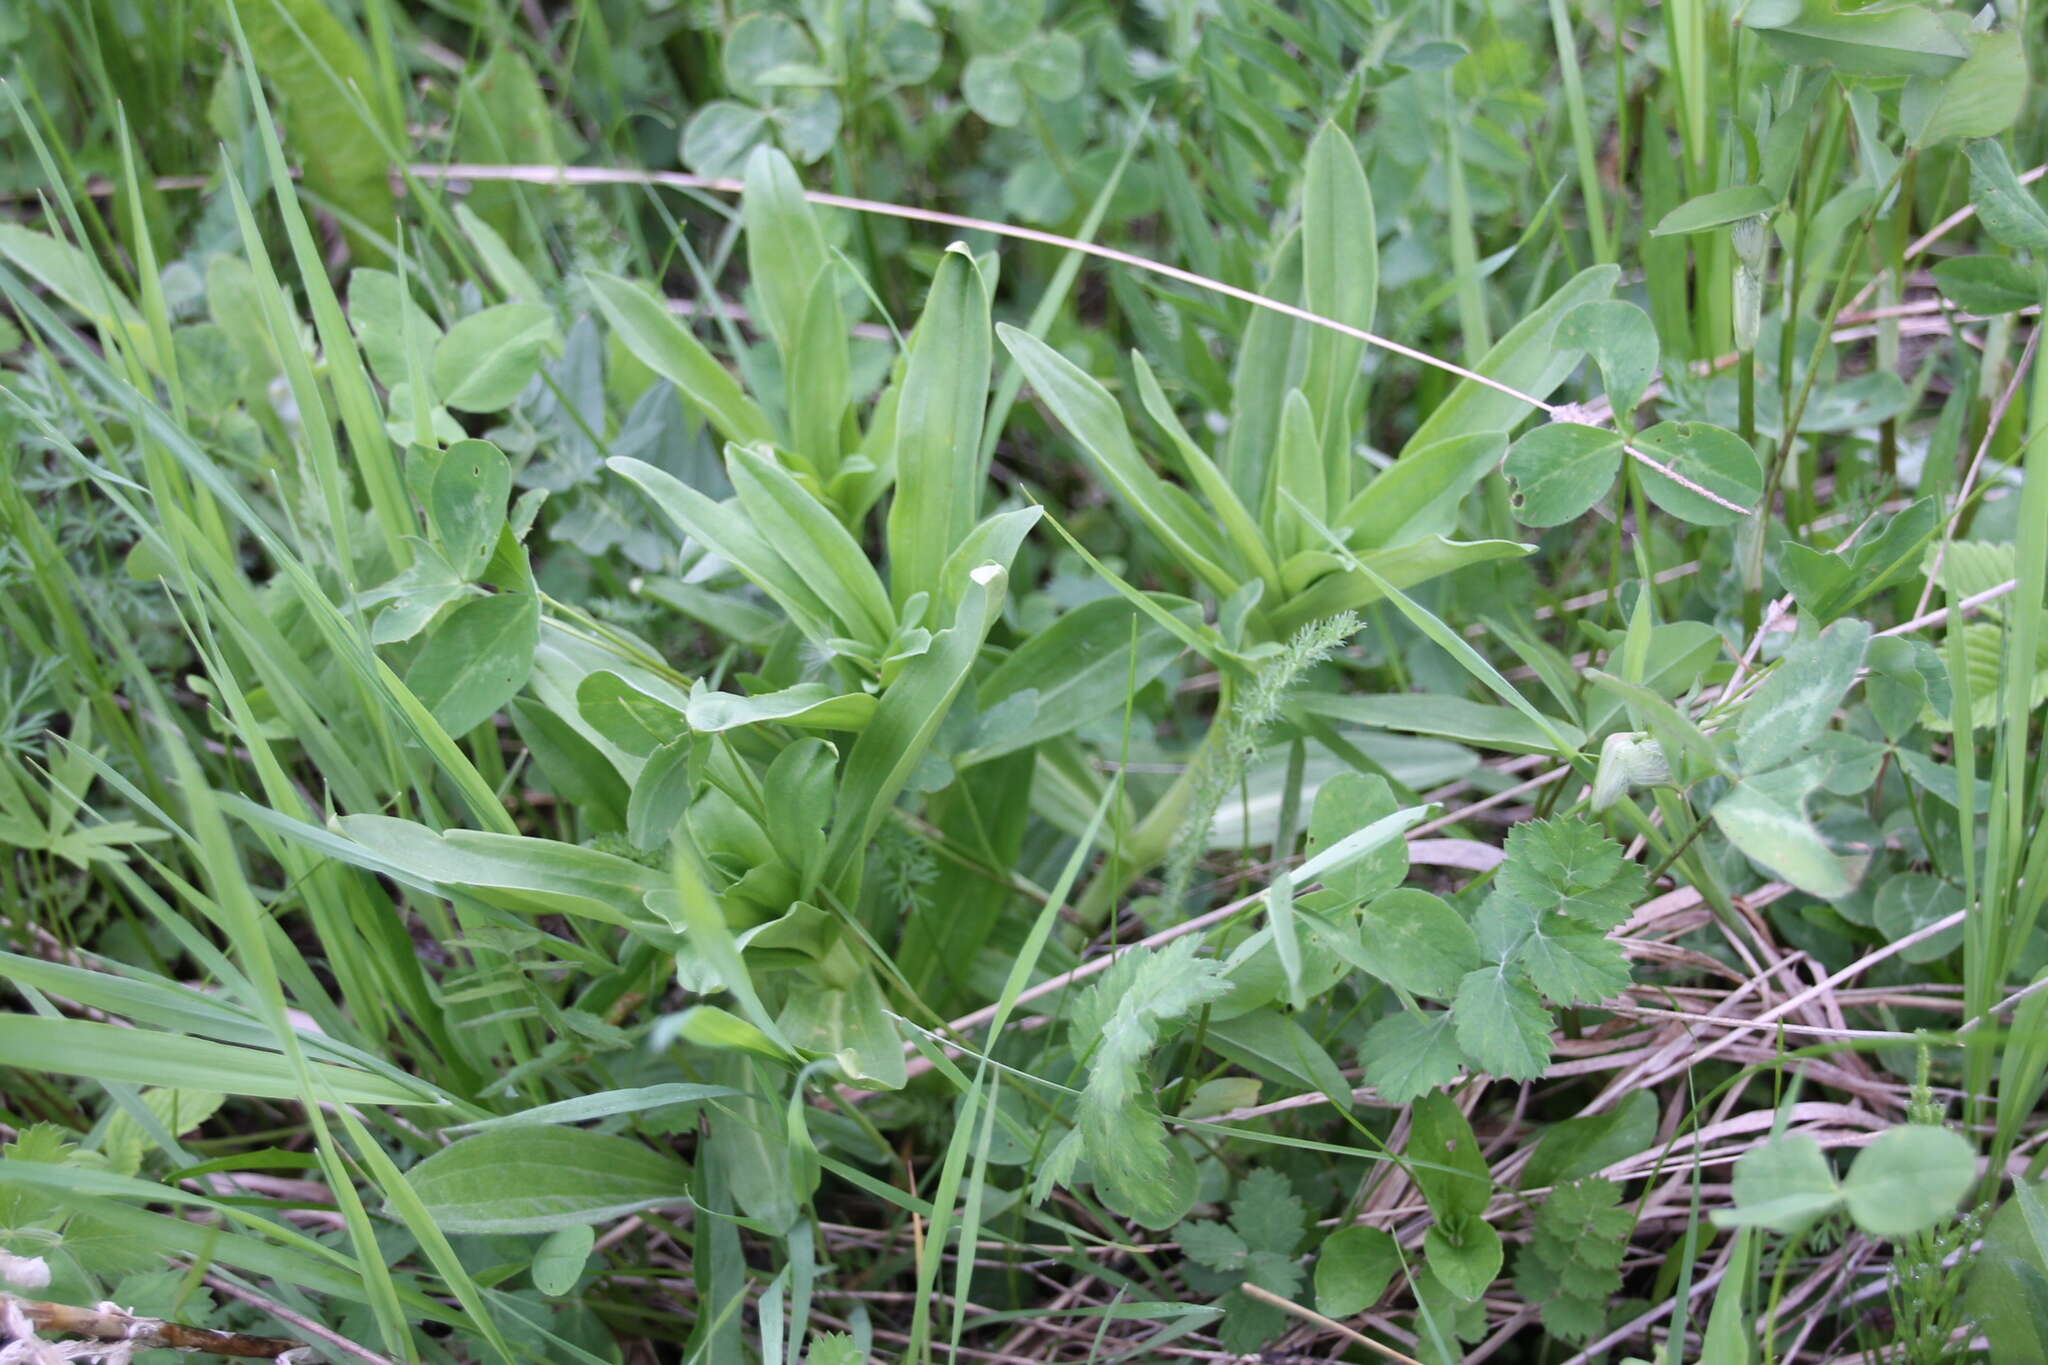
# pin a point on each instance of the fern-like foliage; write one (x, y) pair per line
(1572, 1264)
(1257, 707)
(1257, 1244)
(1541, 941)
(1114, 1026)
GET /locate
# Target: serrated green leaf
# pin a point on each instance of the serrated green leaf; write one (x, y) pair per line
(1267, 1213)
(1502, 1025)
(1213, 1244)
(1412, 939)
(1406, 1056)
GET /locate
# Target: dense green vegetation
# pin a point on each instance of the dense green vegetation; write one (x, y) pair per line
(1023, 680)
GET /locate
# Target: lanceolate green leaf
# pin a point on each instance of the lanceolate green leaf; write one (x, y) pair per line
(322, 75)
(816, 547)
(1889, 41)
(938, 428)
(1398, 566)
(726, 532)
(109, 1053)
(536, 876)
(1092, 417)
(519, 1180)
(1079, 669)
(785, 249)
(1717, 208)
(1237, 521)
(1340, 280)
(665, 346)
(896, 739)
(1528, 358)
(1419, 495)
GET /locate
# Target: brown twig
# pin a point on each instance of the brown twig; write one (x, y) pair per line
(110, 1324)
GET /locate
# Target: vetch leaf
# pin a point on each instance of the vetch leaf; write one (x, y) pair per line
(1987, 285)
(2007, 209)
(1981, 98)
(1779, 837)
(1878, 41)
(518, 1180)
